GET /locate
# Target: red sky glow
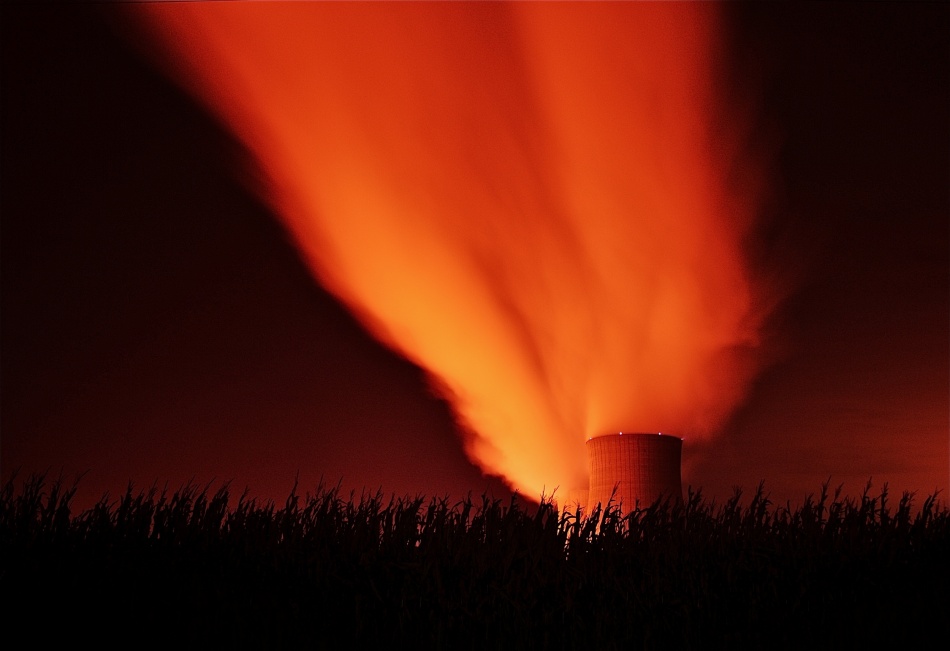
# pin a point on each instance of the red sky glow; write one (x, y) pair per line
(432, 247)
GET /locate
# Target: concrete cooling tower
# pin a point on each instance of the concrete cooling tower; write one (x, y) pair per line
(642, 467)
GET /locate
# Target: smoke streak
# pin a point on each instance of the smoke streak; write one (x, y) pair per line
(530, 201)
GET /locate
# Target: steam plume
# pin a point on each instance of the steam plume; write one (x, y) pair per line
(533, 201)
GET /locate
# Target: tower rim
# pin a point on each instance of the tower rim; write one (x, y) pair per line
(618, 434)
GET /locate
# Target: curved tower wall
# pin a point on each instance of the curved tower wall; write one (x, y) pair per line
(643, 467)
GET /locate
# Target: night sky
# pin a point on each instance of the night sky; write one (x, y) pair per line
(159, 326)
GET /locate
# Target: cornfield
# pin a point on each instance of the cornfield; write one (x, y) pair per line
(326, 570)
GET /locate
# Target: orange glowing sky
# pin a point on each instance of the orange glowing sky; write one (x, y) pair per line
(727, 222)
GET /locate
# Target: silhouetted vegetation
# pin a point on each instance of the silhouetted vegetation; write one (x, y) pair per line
(322, 571)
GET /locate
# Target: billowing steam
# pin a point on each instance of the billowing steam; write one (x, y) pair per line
(535, 202)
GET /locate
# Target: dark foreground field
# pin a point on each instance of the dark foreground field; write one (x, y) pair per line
(200, 568)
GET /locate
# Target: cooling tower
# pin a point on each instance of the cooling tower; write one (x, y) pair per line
(642, 467)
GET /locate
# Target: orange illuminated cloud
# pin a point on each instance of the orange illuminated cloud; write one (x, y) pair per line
(531, 201)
